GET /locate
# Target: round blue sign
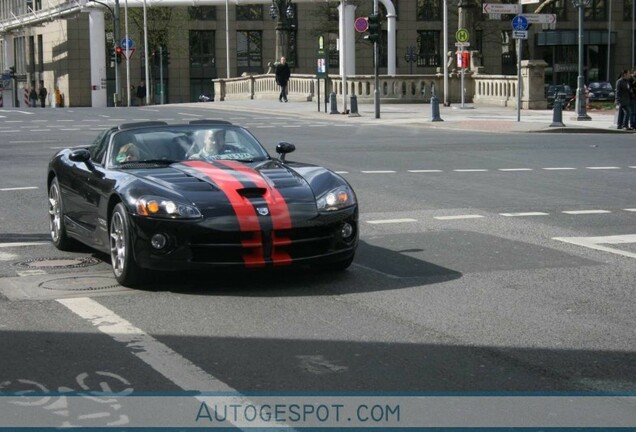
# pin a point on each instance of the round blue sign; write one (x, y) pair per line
(520, 23)
(126, 43)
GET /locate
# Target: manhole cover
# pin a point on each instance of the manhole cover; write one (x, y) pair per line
(80, 283)
(53, 263)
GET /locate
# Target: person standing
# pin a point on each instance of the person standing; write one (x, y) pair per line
(282, 78)
(43, 94)
(141, 93)
(632, 84)
(623, 100)
(33, 96)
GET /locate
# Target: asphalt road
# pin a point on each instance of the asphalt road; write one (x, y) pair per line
(488, 262)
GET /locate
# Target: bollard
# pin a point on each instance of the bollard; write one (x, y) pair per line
(557, 113)
(334, 103)
(434, 105)
(354, 106)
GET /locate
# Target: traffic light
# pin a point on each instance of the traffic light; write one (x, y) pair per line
(373, 32)
(111, 56)
(166, 57)
(12, 71)
(119, 54)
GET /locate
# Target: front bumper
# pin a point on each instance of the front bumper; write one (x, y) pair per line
(203, 244)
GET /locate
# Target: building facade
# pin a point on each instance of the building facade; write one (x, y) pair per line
(49, 43)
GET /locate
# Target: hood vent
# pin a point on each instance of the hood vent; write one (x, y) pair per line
(179, 180)
(281, 178)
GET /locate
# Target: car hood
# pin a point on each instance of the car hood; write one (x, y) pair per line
(229, 188)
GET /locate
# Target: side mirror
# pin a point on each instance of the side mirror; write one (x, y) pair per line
(82, 156)
(282, 148)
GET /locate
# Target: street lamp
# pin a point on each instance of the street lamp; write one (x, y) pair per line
(581, 114)
(284, 24)
(410, 56)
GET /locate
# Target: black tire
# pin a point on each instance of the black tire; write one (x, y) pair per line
(125, 268)
(57, 228)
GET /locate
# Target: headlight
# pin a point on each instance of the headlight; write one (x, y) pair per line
(336, 199)
(159, 207)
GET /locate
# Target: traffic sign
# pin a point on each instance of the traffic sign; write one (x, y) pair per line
(540, 18)
(126, 43)
(462, 35)
(496, 8)
(131, 51)
(361, 24)
(520, 23)
(462, 44)
(520, 34)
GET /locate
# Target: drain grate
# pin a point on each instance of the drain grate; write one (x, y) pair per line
(56, 263)
(80, 283)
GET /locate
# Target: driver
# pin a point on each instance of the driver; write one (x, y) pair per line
(127, 153)
(208, 143)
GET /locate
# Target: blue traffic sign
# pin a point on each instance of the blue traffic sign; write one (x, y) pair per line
(126, 43)
(520, 23)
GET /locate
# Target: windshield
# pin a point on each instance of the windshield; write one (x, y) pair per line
(164, 145)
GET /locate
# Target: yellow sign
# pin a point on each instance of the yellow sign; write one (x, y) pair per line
(462, 35)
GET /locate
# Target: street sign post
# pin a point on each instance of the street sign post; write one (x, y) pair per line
(462, 36)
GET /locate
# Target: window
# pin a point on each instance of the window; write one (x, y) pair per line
(249, 13)
(202, 13)
(428, 48)
(202, 63)
(429, 10)
(249, 52)
(596, 11)
(627, 10)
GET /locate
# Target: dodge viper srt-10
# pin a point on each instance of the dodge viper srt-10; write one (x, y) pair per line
(151, 196)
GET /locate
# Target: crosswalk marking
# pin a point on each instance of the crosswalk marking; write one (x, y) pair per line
(390, 221)
(524, 214)
(473, 216)
(584, 212)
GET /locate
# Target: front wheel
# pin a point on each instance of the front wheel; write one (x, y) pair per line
(57, 228)
(126, 270)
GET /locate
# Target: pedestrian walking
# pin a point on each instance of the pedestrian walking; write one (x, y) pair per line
(623, 101)
(43, 94)
(33, 96)
(141, 93)
(282, 78)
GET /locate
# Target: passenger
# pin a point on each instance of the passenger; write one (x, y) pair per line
(128, 153)
(208, 143)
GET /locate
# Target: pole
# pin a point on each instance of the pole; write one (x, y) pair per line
(519, 48)
(160, 73)
(148, 85)
(127, 55)
(444, 58)
(462, 75)
(117, 42)
(633, 31)
(609, 39)
(580, 90)
(376, 69)
(227, 37)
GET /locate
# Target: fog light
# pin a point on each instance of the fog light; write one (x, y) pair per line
(346, 231)
(159, 241)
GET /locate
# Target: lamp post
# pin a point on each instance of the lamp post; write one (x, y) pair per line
(283, 12)
(410, 56)
(581, 113)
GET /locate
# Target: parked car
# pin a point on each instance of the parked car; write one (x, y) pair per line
(562, 91)
(601, 91)
(148, 195)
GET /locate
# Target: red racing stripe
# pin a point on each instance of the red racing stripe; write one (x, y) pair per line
(279, 212)
(245, 213)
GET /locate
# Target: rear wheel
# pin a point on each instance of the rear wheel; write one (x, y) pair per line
(56, 218)
(126, 270)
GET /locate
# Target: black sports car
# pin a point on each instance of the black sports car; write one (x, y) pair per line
(192, 196)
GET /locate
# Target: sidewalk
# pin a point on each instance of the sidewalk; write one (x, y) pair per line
(472, 117)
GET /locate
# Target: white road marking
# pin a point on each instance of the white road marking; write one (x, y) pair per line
(69, 129)
(425, 171)
(341, 172)
(188, 114)
(91, 120)
(524, 214)
(598, 242)
(603, 168)
(15, 121)
(18, 188)
(6, 256)
(292, 126)
(559, 168)
(29, 142)
(68, 121)
(39, 130)
(390, 221)
(514, 169)
(21, 244)
(158, 356)
(378, 172)
(11, 130)
(630, 210)
(457, 217)
(38, 121)
(470, 170)
(584, 212)
(34, 272)
(632, 167)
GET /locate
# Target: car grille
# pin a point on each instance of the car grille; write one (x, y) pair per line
(232, 248)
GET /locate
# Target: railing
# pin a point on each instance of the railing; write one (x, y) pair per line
(478, 88)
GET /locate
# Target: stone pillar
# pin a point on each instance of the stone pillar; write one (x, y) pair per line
(532, 82)
(97, 38)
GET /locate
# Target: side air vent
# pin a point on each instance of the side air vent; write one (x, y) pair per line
(281, 178)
